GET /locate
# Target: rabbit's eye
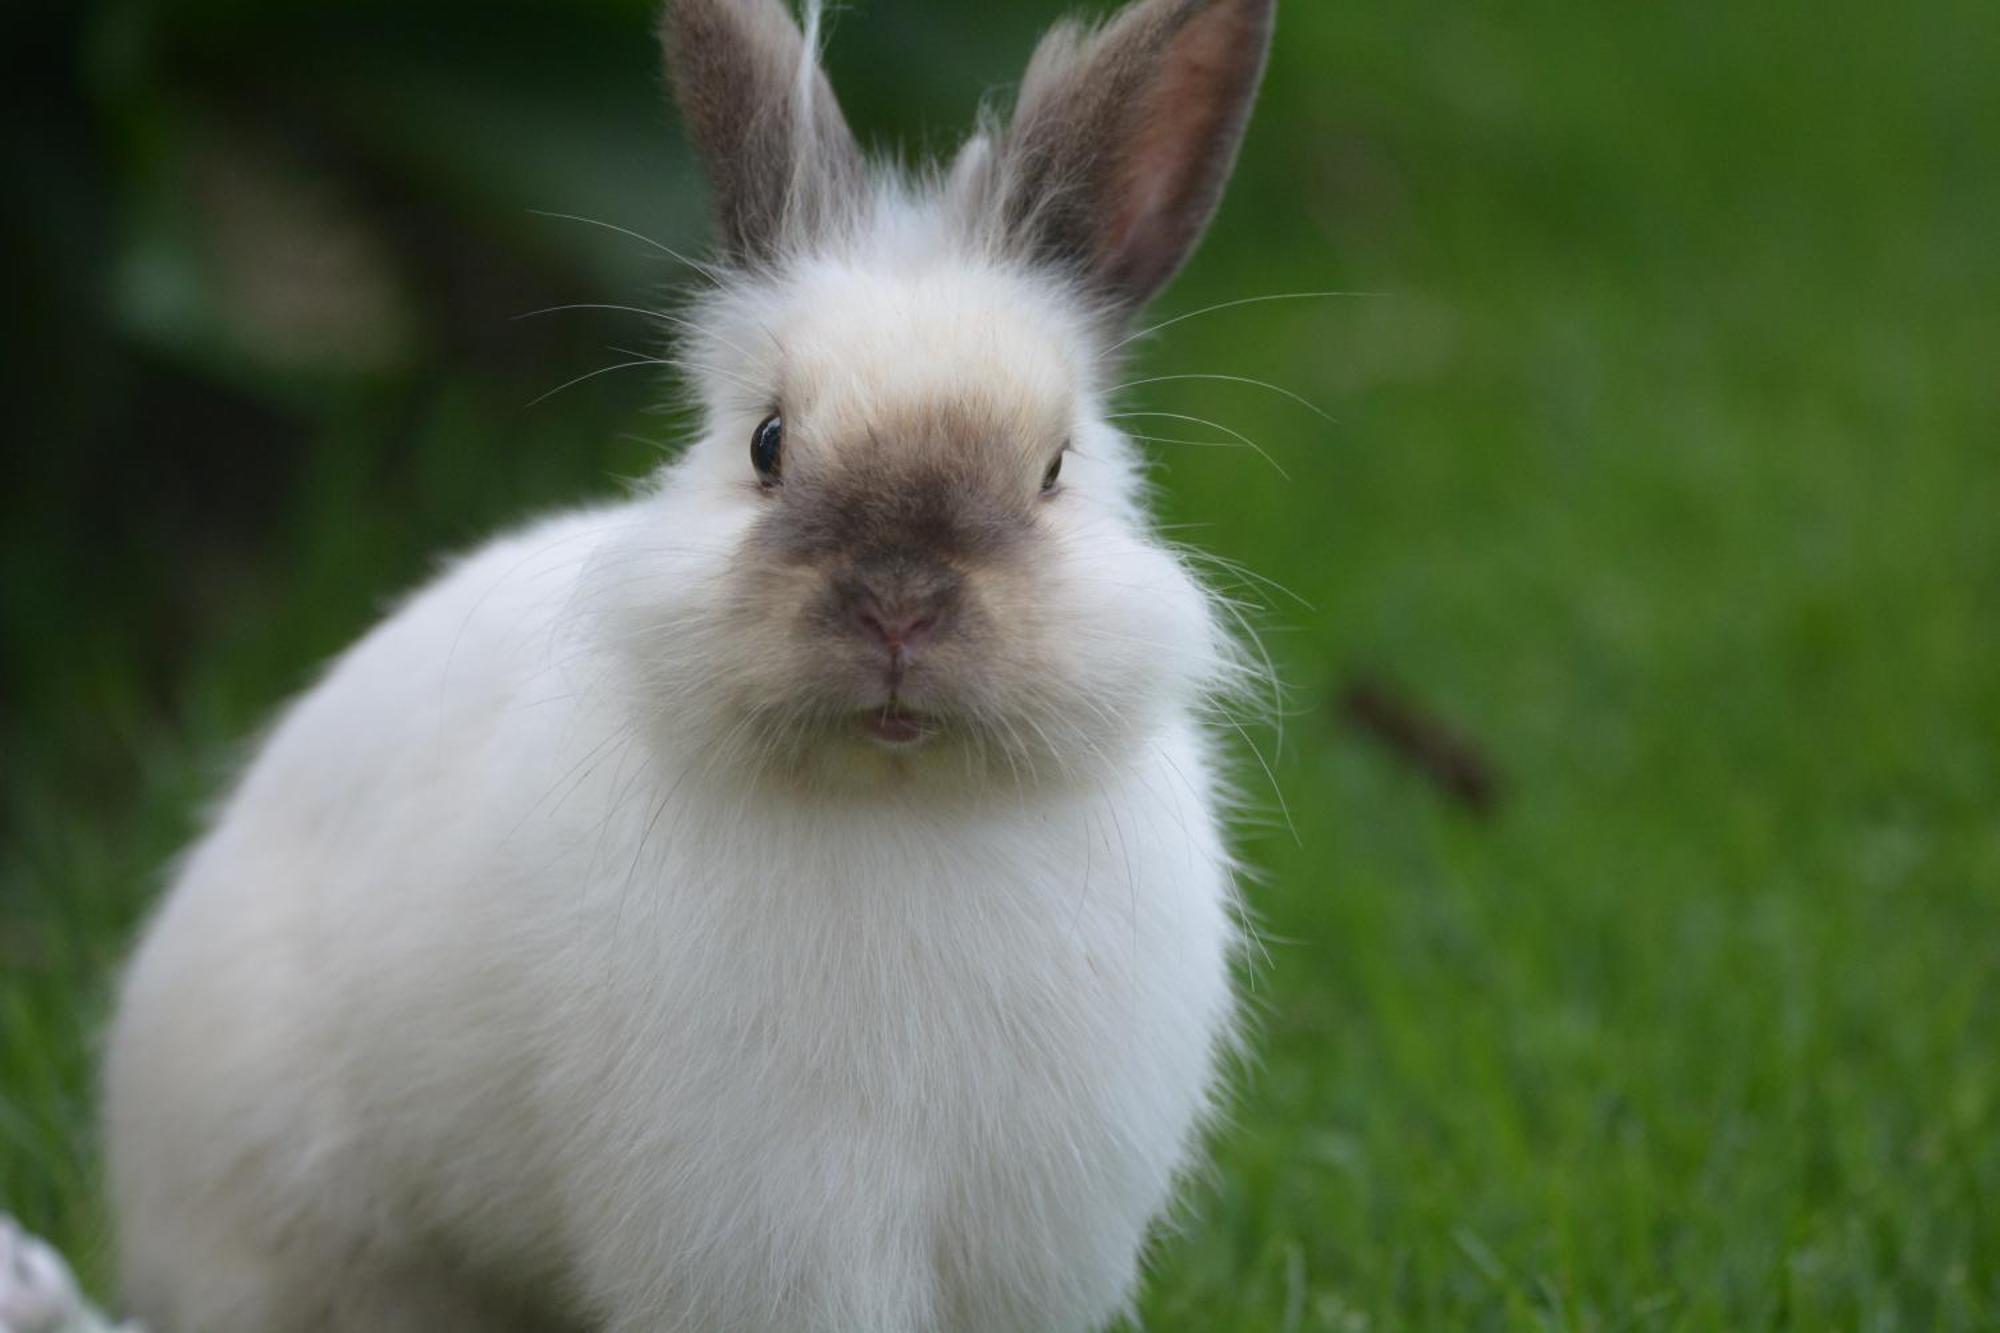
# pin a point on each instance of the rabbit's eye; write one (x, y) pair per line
(766, 443)
(1055, 471)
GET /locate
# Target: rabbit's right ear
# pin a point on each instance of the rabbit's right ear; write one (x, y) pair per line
(778, 154)
(1122, 140)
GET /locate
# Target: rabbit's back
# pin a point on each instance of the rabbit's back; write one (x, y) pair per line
(312, 1046)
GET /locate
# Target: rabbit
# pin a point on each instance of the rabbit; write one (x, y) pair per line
(794, 898)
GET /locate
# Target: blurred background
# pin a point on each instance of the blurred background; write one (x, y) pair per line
(1629, 861)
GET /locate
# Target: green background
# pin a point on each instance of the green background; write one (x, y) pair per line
(1665, 473)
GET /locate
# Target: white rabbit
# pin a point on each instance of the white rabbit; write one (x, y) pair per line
(793, 898)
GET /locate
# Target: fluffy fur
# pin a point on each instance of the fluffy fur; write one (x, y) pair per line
(575, 956)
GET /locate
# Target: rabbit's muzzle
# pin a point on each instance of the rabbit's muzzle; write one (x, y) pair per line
(898, 552)
(898, 608)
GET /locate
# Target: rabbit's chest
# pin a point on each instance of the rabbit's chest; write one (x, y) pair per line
(1039, 955)
(941, 1008)
(977, 1070)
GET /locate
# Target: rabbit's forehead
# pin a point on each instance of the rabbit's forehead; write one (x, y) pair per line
(857, 355)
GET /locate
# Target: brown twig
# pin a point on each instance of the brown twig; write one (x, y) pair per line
(1448, 760)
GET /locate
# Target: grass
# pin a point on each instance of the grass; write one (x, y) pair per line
(1667, 468)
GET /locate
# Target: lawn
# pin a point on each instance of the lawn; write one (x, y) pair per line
(1664, 472)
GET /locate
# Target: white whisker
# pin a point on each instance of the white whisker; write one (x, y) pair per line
(708, 271)
(1300, 399)
(1151, 329)
(602, 370)
(1246, 441)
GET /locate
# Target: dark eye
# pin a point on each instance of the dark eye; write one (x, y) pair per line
(766, 443)
(1054, 472)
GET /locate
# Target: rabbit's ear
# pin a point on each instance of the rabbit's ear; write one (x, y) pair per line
(777, 151)
(1123, 137)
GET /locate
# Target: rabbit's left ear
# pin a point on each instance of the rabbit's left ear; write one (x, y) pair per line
(1123, 138)
(778, 154)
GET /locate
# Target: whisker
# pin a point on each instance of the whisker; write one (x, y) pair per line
(1170, 439)
(1300, 399)
(1277, 794)
(1238, 569)
(706, 270)
(595, 305)
(1213, 425)
(1230, 305)
(604, 370)
(664, 316)
(687, 367)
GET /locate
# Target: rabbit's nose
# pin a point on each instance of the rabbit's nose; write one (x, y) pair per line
(899, 629)
(900, 613)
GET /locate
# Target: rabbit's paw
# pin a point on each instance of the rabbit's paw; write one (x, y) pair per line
(37, 1293)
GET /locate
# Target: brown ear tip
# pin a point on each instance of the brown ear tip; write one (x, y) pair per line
(1256, 18)
(1257, 15)
(678, 23)
(682, 21)
(1244, 8)
(674, 14)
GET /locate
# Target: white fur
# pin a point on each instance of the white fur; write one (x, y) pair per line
(509, 975)
(37, 1291)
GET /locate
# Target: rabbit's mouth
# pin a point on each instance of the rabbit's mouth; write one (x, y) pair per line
(895, 726)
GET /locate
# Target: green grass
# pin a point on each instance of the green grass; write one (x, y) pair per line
(1667, 467)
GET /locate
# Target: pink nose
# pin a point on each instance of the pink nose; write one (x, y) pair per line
(898, 630)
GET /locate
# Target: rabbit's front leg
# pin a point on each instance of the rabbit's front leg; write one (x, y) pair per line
(37, 1292)
(754, 1260)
